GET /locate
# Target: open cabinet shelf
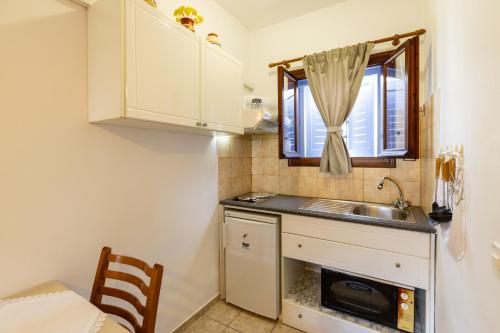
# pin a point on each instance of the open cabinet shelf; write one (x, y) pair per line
(302, 304)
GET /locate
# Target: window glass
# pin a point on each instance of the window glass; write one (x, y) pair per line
(360, 131)
(290, 142)
(396, 103)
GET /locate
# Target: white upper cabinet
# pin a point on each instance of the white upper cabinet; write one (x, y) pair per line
(147, 71)
(165, 76)
(221, 89)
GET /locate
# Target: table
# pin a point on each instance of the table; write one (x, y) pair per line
(110, 326)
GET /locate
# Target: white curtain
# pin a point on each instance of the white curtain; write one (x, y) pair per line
(335, 78)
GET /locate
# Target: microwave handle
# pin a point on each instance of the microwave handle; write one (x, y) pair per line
(359, 286)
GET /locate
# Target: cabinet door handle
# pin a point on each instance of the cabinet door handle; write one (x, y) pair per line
(205, 124)
(299, 245)
(199, 123)
(398, 265)
(300, 316)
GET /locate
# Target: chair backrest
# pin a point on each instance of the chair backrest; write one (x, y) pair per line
(151, 291)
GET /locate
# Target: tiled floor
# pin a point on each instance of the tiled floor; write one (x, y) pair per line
(222, 317)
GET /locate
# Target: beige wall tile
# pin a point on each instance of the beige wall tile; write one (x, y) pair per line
(241, 184)
(270, 184)
(225, 167)
(357, 173)
(270, 147)
(376, 173)
(269, 136)
(236, 147)
(223, 146)
(372, 194)
(257, 166)
(246, 146)
(256, 183)
(308, 186)
(236, 166)
(256, 146)
(270, 166)
(246, 166)
(285, 171)
(308, 181)
(429, 143)
(289, 185)
(427, 183)
(411, 192)
(351, 189)
(406, 171)
(328, 187)
(308, 171)
(224, 188)
(289, 171)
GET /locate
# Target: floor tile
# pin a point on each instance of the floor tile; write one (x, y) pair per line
(222, 312)
(250, 323)
(280, 328)
(205, 325)
(230, 330)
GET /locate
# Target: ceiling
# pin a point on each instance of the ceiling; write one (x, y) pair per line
(255, 14)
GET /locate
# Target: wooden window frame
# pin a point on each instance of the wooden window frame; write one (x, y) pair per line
(377, 59)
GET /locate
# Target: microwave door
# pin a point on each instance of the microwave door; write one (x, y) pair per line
(361, 297)
(358, 296)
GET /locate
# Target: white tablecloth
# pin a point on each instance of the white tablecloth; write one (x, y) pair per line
(58, 312)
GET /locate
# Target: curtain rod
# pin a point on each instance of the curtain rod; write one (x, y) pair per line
(395, 41)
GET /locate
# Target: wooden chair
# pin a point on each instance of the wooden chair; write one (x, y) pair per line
(152, 292)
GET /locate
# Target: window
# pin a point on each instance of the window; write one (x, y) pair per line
(383, 124)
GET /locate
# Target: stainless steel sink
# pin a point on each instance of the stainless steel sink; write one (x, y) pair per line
(368, 210)
(383, 212)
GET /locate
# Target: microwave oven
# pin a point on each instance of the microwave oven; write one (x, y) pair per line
(387, 304)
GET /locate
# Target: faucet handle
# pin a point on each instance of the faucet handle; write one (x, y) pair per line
(401, 204)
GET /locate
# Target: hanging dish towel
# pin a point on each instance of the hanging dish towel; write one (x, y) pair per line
(60, 312)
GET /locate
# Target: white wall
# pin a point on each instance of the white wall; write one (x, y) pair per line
(68, 187)
(232, 34)
(339, 25)
(462, 55)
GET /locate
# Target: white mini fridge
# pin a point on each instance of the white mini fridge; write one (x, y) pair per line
(251, 247)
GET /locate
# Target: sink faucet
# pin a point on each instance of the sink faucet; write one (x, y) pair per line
(399, 203)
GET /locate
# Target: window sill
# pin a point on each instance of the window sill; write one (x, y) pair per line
(357, 162)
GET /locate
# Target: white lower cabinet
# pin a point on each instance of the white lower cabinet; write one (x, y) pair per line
(147, 71)
(391, 256)
(389, 266)
(310, 320)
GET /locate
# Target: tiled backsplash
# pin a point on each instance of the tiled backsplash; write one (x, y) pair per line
(235, 165)
(429, 143)
(270, 174)
(251, 163)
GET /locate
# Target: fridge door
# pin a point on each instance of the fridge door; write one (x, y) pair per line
(252, 266)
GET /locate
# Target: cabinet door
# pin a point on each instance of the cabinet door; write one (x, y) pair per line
(162, 69)
(221, 90)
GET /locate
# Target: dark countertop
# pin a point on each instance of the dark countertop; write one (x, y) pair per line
(290, 204)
